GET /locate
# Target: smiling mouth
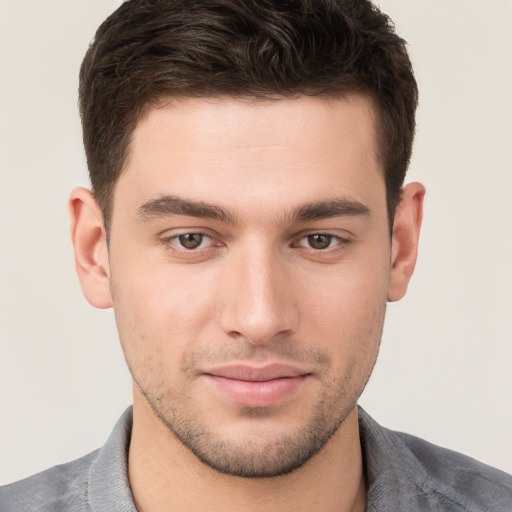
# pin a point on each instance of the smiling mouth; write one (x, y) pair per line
(257, 387)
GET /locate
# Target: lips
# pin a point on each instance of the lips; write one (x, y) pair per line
(257, 387)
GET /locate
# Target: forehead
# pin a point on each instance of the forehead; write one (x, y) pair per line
(281, 150)
(231, 122)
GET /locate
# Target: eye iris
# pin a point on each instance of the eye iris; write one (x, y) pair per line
(191, 240)
(319, 241)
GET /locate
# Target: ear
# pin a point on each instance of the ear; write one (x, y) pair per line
(406, 234)
(90, 245)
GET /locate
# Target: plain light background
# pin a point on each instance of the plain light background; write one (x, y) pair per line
(444, 371)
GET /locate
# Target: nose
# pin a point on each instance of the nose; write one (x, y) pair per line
(258, 299)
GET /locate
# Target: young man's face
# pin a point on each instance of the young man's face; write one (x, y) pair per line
(249, 267)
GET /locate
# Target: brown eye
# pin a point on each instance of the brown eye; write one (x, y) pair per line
(319, 241)
(191, 240)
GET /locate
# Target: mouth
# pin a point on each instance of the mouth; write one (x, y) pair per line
(250, 386)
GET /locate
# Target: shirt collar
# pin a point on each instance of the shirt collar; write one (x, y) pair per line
(108, 487)
(392, 471)
(387, 467)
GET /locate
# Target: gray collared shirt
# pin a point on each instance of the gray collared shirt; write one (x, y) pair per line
(404, 474)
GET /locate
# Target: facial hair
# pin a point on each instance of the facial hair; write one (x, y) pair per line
(263, 455)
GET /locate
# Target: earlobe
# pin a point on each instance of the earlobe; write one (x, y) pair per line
(406, 232)
(90, 246)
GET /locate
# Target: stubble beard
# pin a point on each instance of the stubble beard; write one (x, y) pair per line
(260, 456)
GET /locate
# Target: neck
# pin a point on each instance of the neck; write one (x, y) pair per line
(164, 475)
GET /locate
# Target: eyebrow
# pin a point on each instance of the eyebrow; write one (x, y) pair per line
(333, 208)
(173, 205)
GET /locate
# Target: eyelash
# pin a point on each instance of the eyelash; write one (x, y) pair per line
(339, 245)
(170, 243)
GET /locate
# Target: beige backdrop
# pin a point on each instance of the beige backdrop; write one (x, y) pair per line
(445, 366)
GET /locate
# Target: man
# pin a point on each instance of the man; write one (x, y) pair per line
(247, 223)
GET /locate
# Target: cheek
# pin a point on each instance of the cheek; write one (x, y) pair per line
(162, 295)
(347, 310)
(159, 316)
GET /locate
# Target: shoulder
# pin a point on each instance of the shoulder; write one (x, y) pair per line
(414, 474)
(61, 488)
(455, 477)
(98, 481)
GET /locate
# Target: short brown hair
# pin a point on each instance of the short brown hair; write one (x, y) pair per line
(151, 49)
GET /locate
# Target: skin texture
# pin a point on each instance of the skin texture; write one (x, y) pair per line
(294, 265)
